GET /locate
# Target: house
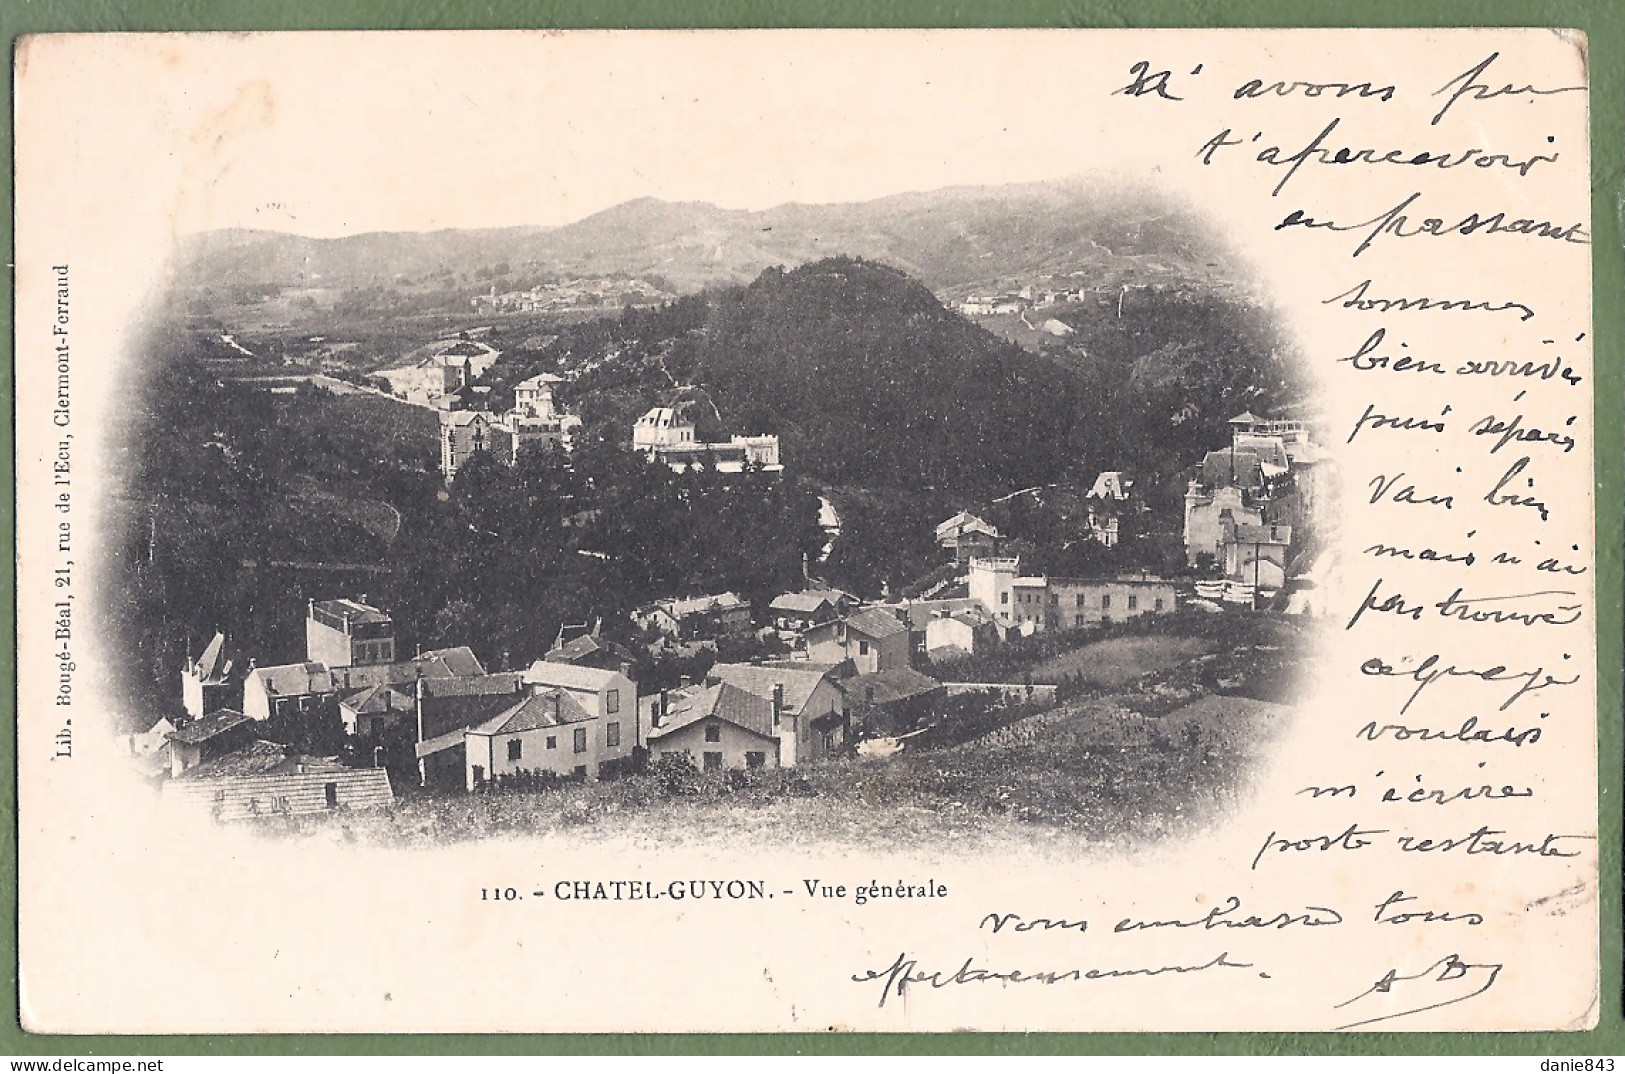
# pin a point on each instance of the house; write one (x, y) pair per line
(665, 434)
(313, 687)
(809, 701)
(894, 701)
(661, 427)
(209, 737)
(1271, 476)
(874, 640)
(1257, 555)
(1111, 485)
(720, 726)
(375, 709)
(967, 535)
(798, 611)
(343, 633)
(262, 779)
(548, 731)
(969, 631)
(610, 698)
(463, 434)
(918, 615)
(208, 683)
(590, 650)
(696, 617)
(1035, 603)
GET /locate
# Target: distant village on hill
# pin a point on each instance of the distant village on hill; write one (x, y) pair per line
(589, 476)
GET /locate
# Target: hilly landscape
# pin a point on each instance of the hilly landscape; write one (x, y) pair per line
(948, 239)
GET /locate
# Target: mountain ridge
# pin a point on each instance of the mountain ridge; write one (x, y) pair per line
(952, 237)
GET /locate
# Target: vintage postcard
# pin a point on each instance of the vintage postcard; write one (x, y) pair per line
(819, 530)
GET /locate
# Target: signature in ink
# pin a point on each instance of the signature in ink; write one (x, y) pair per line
(1446, 982)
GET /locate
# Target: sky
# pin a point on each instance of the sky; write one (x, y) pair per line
(319, 135)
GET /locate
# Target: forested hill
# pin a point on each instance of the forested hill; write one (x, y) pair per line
(869, 381)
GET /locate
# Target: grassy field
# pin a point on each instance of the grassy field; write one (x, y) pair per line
(1116, 662)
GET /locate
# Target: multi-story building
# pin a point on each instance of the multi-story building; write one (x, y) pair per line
(1034, 603)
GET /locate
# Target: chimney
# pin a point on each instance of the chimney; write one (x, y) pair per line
(778, 702)
(626, 668)
(684, 682)
(556, 706)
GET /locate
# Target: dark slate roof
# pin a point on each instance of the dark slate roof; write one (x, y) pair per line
(886, 687)
(555, 708)
(216, 723)
(798, 682)
(379, 699)
(459, 659)
(582, 647)
(875, 623)
(261, 758)
(723, 701)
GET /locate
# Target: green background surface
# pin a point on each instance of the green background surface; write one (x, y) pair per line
(1602, 20)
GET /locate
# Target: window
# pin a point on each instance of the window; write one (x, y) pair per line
(332, 792)
(479, 775)
(581, 740)
(1105, 601)
(713, 732)
(580, 771)
(755, 759)
(1004, 598)
(863, 648)
(612, 734)
(1055, 598)
(1080, 600)
(612, 702)
(552, 742)
(1133, 601)
(1077, 620)
(1158, 606)
(516, 749)
(713, 761)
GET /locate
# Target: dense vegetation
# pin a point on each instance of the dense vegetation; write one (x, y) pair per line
(239, 506)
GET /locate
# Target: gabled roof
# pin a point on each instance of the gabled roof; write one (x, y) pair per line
(582, 647)
(459, 660)
(352, 611)
(213, 666)
(569, 676)
(919, 613)
(809, 602)
(379, 699)
(464, 417)
(894, 684)
(875, 623)
(216, 723)
(294, 679)
(724, 701)
(756, 679)
(964, 521)
(262, 758)
(663, 417)
(554, 708)
(1246, 533)
(540, 380)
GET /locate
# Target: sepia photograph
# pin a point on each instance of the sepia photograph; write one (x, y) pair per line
(807, 530)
